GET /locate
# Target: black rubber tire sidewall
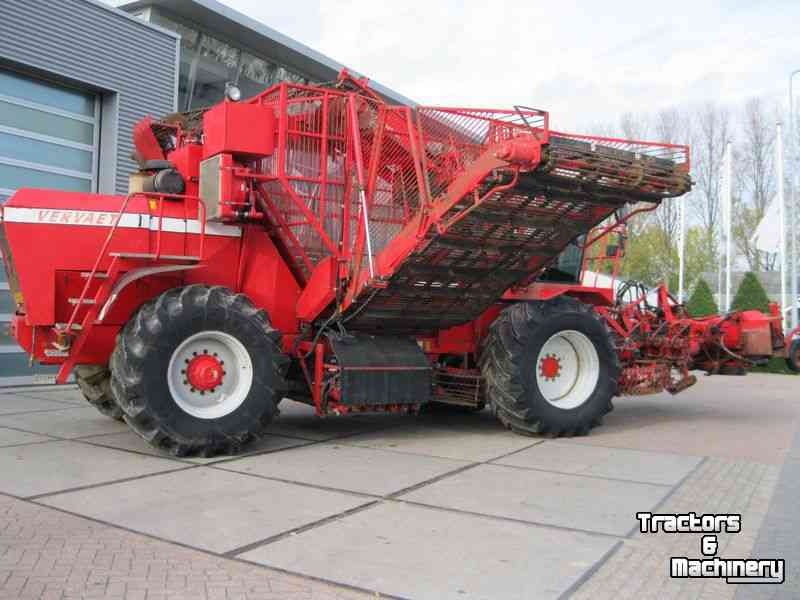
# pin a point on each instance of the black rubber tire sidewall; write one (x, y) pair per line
(140, 364)
(793, 359)
(97, 391)
(597, 403)
(256, 406)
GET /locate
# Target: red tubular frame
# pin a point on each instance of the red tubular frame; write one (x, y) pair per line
(102, 255)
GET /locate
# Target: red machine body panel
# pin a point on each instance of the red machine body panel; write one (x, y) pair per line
(238, 128)
(187, 160)
(37, 221)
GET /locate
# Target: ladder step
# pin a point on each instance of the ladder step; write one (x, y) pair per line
(98, 275)
(75, 326)
(150, 256)
(85, 301)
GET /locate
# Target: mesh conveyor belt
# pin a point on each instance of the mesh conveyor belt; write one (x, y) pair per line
(456, 276)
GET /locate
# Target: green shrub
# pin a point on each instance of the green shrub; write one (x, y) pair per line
(701, 302)
(750, 295)
(776, 364)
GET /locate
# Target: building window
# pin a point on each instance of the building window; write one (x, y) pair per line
(255, 75)
(208, 63)
(216, 63)
(189, 39)
(48, 135)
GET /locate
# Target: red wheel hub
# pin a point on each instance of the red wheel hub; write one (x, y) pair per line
(549, 366)
(204, 372)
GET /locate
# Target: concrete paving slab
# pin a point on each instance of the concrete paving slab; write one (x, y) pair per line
(206, 508)
(10, 437)
(421, 553)
(49, 554)
(742, 418)
(458, 443)
(60, 465)
(631, 465)
(574, 501)
(69, 394)
(298, 420)
(70, 422)
(350, 468)
(127, 440)
(778, 533)
(17, 389)
(453, 416)
(14, 403)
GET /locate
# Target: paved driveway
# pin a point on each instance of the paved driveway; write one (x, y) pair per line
(441, 506)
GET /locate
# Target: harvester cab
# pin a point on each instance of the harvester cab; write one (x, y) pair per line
(318, 243)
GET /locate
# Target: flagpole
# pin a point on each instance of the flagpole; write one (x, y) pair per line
(681, 245)
(793, 253)
(781, 212)
(727, 216)
(793, 270)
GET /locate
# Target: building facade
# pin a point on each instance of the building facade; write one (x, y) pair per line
(75, 76)
(220, 45)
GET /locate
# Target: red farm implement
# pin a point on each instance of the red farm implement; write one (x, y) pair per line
(319, 244)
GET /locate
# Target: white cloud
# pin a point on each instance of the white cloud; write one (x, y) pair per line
(585, 62)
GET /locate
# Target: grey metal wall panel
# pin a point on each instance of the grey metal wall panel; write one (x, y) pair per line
(100, 48)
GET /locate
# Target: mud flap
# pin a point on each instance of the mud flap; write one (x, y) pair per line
(378, 370)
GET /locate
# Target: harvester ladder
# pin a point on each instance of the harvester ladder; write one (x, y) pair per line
(98, 304)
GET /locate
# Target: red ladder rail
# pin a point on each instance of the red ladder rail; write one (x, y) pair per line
(74, 347)
(63, 335)
(89, 319)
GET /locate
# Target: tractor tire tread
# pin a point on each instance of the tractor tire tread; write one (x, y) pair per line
(793, 358)
(94, 381)
(502, 366)
(140, 336)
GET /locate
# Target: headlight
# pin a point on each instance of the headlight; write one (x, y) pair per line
(233, 93)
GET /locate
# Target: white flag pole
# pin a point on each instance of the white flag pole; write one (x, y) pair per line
(781, 213)
(793, 214)
(681, 245)
(793, 267)
(728, 216)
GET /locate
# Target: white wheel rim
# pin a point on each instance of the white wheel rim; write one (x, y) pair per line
(567, 369)
(235, 382)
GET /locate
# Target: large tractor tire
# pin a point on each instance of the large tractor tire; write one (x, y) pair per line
(793, 357)
(198, 371)
(550, 368)
(94, 382)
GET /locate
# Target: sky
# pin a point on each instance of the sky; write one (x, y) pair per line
(586, 62)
